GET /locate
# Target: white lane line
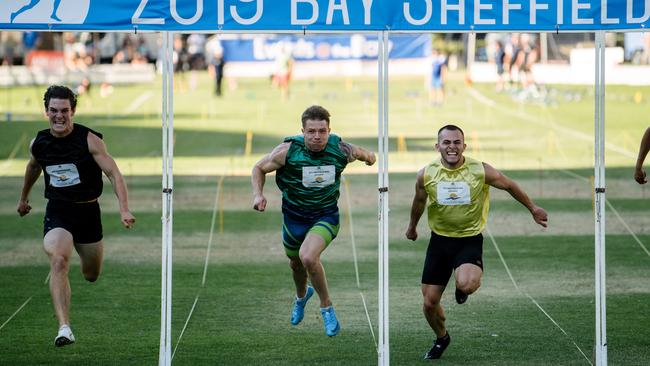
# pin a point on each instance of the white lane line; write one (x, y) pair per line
(185, 326)
(13, 152)
(354, 256)
(47, 278)
(618, 216)
(351, 226)
(214, 219)
(546, 123)
(15, 312)
(482, 98)
(207, 260)
(574, 175)
(205, 265)
(627, 227)
(530, 297)
(138, 102)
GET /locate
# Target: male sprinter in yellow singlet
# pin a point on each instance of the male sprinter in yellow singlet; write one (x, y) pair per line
(308, 172)
(457, 188)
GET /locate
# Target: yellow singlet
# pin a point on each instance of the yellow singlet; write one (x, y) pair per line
(459, 199)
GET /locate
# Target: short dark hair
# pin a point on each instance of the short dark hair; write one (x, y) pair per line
(451, 128)
(316, 113)
(60, 92)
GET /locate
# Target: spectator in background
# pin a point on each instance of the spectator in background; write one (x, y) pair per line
(216, 64)
(141, 54)
(195, 51)
(30, 42)
(438, 76)
(74, 54)
(8, 45)
(512, 50)
(283, 68)
(499, 59)
(126, 52)
(639, 173)
(180, 58)
(525, 60)
(645, 56)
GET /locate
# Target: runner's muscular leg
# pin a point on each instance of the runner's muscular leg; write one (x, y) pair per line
(58, 244)
(310, 252)
(433, 311)
(91, 259)
(468, 278)
(299, 276)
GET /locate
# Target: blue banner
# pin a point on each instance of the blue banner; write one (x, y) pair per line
(325, 48)
(325, 15)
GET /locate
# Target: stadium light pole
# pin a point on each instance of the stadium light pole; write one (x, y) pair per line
(164, 356)
(599, 201)
(383, 347)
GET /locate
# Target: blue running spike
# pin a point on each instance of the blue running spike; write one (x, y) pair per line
(329, 321)
(298, 311)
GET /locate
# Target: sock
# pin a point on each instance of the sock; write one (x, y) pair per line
(304, 297)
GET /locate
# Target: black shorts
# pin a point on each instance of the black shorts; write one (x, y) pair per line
(82, 220)
(445, 254)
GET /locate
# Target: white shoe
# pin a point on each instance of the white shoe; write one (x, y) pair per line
(64, 337)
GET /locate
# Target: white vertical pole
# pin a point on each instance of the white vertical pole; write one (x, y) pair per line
(599, 202)
(471, 53)
(543, 48)
(163, 260)
(164, 357)
(383, 346)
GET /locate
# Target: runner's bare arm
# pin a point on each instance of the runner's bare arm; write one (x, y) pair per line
(354, 152)
(417, 207)
(32, 172)
(269, 163)
(107, 164)
(496, 179)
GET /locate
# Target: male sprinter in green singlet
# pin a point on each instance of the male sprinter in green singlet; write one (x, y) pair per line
(309, 168)
(458, 191)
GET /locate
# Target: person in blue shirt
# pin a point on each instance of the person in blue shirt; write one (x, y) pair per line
(438, 76)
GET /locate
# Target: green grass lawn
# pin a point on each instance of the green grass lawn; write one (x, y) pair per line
(242, 313)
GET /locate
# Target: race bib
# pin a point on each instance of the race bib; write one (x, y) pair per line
(318, 176)
(63, 175)
(453, 193)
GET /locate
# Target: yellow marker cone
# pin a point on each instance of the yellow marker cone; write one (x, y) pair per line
(248, 150)
(475, 144)
(401, 143)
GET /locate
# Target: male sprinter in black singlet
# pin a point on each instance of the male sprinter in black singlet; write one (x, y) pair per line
(72, 158)
(308, 172)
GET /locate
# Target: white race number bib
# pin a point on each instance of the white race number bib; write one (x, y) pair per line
(453, 193)
(63, 175)
(318, 176)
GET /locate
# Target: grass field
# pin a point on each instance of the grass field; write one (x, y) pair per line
(242, 313)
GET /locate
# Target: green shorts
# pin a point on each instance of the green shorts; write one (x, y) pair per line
(294, 231)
